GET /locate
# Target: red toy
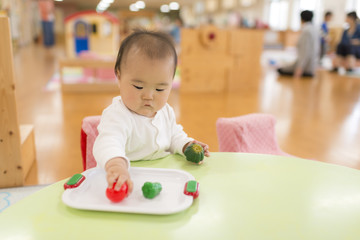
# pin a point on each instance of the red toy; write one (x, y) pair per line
(117, 196)
(74, 181)
(192, 188)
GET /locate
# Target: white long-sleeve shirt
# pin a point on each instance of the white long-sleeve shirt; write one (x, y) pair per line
(125, 134)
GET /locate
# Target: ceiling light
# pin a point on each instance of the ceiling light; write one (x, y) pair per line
(164, 8)
(140, 4)
(133, 8)
(107, 1)
(174, 6)
(104, 5)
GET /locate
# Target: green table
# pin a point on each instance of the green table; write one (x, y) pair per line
(242, 196)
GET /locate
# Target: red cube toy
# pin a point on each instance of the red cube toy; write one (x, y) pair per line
(192, 188)
(74, 181)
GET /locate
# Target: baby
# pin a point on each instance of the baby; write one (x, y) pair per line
(139, 124)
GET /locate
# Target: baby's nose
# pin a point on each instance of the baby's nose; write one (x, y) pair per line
(147, 95)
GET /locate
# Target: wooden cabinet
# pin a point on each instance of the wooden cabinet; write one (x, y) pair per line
(217, 60)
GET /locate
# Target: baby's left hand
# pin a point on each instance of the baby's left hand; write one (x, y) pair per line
(203, 145)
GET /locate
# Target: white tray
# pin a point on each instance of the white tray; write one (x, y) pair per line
(90, 195)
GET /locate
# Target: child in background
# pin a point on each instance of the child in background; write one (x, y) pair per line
(139, 124)
(325, 34)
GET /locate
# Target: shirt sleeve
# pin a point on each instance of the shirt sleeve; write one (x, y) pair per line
(178, 137)
(113, 130)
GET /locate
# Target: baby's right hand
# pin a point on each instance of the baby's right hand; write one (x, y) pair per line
(117, 170)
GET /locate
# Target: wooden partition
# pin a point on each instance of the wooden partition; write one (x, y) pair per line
(17, 145)
(218, 60)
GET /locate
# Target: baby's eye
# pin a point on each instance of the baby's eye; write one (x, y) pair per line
(160, 90)
(137, 87)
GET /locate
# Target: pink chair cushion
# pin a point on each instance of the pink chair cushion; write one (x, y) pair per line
(252, 133)
(89, 133)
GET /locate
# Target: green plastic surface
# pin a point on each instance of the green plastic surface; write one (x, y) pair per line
(74, 179)
(243, 196)
(191, 186)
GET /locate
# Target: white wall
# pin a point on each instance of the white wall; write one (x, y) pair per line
(259, 8)
(338, 9)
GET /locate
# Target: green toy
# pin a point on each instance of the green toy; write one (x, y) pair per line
(151, 190)
(194, 153)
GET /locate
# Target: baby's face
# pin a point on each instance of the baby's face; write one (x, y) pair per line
(145, 83)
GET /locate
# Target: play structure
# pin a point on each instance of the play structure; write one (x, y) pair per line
(91, 42)
(17, 144)
(218, 60)
(91, 31)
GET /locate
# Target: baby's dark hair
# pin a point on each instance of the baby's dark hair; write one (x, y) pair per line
(155, 45)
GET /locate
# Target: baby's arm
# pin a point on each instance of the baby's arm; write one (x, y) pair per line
(117, 170)
(109, 147)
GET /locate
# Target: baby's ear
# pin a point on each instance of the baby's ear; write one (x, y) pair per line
(117, 74)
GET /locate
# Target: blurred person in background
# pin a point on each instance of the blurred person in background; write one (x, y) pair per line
(307, 50)
(348, 50)
(325, 39)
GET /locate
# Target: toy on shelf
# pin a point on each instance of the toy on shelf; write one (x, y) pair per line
(151, 190)
(192, 188)
(117, 196)
(94, 75)
(194, 153)
(74, 181)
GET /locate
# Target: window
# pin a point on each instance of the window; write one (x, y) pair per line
(278, 14)
(228, 4)
(301, 5)
(94, 28)
(353, 5)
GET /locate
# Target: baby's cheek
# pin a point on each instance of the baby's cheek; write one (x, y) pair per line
(163, 99)
(130, 97)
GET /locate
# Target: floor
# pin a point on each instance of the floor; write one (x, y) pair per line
(317, 118)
